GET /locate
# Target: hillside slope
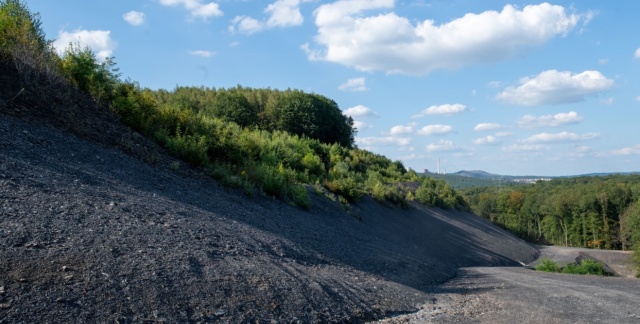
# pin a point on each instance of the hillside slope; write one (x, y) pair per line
(96, 227)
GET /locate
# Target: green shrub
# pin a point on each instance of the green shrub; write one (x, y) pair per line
(427, 195)
(548, 265)
(83, 69)
(192, 149)
(409, 196)
(587, 266)
(345, 187)
(313, 164)
(300, 196)
(23, 40)
(269, 179)
(394, 195)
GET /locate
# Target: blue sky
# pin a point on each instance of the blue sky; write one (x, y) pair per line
(509, 87)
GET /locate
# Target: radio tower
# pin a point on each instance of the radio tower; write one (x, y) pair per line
(438, 165)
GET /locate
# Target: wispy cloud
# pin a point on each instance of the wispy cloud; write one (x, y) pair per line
(630, 150)
(360, 125)
(560, 137)
(135, 18)
(525, 148)
(483, 127)
(383, 141)
(503, 134)
(202, 53)
(488, 140)
(356, 84)
(560, 119)
(445, 146)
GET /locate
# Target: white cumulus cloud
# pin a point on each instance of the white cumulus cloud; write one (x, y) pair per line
(135, 18)
(282, 13)
(360, 111)
(637, 53)
(447, 109)
(356, 84)
(560, 137)
(553, 87)
(560, 119)
(483, 127)
(99, 41)
(438, 130)
(196, 7)
(401, 129)
(245, 25)
(394, 44)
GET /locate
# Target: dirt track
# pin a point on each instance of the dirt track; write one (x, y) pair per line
(519, 295)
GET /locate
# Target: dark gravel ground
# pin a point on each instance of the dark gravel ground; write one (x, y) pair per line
(96, 227)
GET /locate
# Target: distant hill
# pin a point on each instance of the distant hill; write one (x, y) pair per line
(458, 181)
(478, 178)
(486, 175)
(476, 174)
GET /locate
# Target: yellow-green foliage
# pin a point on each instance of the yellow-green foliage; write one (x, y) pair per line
(23, 41)
(20, 29)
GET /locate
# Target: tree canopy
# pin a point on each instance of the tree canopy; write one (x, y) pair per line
(594, 212)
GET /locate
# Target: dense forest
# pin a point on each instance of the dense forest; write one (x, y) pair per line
(277, 143)
(591, 212)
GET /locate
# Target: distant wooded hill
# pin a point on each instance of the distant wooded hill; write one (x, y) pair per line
(478, 178)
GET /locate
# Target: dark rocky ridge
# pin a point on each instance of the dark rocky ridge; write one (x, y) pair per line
(96, 227)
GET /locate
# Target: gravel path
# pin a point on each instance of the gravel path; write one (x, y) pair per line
(519, 295)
